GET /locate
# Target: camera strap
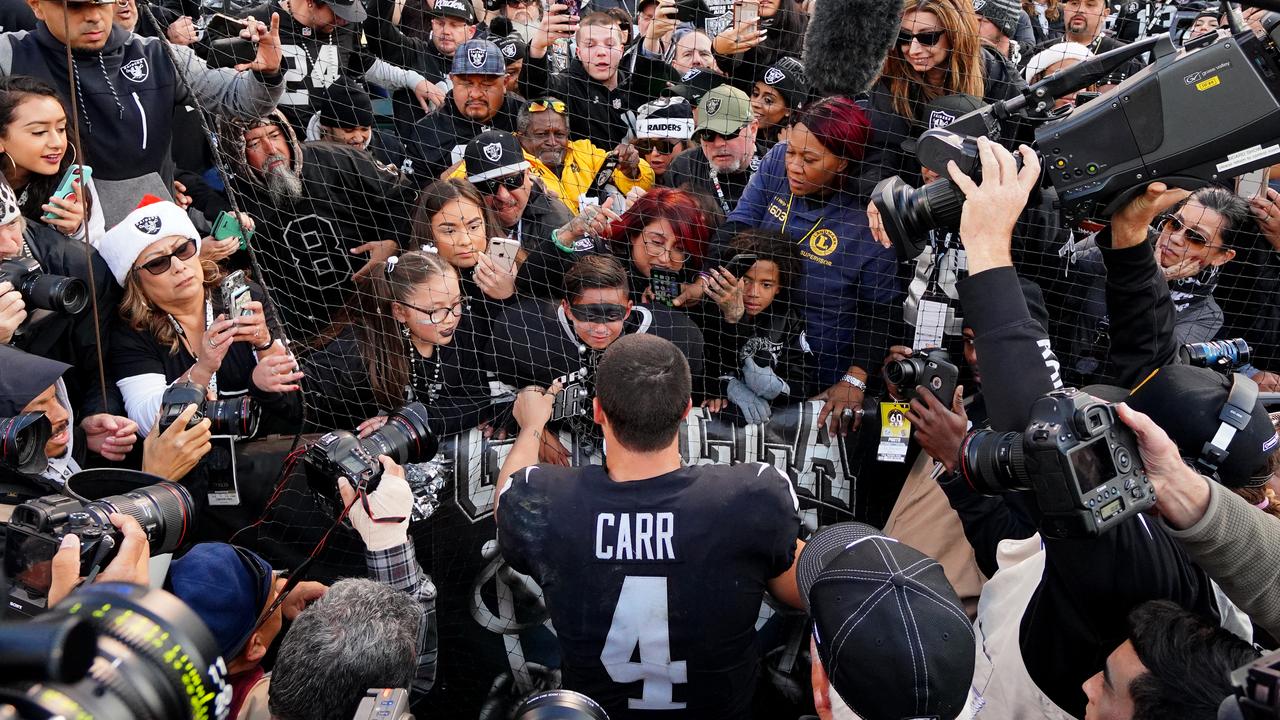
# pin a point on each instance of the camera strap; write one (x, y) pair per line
(1235, 416)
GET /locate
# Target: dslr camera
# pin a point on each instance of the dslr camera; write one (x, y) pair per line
(1076, 455)
(1222, 355)
(404, 438)
(42, 290)
(22, 441)
(931, 368)
(164, 510)
(237, 417)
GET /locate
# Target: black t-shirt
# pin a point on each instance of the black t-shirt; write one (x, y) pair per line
(654, 586)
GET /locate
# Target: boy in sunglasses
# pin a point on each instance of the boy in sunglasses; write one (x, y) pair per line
(726, 155)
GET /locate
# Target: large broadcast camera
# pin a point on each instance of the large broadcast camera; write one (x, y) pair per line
(404, 438)
(113, 650)
(1076, 455)
(43, 291)
(237, 417)
(1151, 127)
(1257, 695)
(22, 441)
(165, 511)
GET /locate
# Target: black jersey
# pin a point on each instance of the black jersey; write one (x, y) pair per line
(654, 586)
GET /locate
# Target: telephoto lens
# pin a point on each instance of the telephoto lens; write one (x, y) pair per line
(235, 416)
(1223, 355)
(993, 462)
(560, 705)
(154, 660)
(44, 291)
(165, 510)
(405, 437)
(22, 441)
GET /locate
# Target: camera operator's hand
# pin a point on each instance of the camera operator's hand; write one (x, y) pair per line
(556, 23)
(939, 431)
(381, 517)
(171, 454)
(110, 436)
(368, 427)
(896, 353)
(754, 408)
(129, 564)
(991, 209)
(1267, 210)
(13, 312)
(876, 225)
(1182, 494)
(1130, 224)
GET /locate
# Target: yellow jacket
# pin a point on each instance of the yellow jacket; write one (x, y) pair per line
(582, 160)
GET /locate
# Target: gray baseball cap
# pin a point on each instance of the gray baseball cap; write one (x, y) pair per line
(478, 57)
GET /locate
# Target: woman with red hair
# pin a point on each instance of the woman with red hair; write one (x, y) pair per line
(664, 229)
(805, 189)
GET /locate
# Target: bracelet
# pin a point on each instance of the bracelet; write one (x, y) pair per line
(555, 239)
(854, 381)
(267, 346)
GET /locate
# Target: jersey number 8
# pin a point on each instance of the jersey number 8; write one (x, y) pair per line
(640, 619)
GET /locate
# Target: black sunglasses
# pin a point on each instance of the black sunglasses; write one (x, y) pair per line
(598, 312)
(159, 265)
(510, 182)
(664, 147)
(927, 39)
(711, 135)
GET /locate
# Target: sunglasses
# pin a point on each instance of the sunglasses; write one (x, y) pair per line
(160, 265)
(510, 182)
(1173, 223)
(712, 135)
(598, 312)
(662, 147)
(927, 39)
(556, 106)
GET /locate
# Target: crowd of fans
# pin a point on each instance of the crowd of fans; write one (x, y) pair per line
(575, 226)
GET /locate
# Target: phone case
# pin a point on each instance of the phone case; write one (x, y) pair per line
(503, 252)
(227, 226)
(235, 293)
(665, 285)
(66, 187)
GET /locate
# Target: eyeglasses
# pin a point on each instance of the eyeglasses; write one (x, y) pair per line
(656, 246)
(543, 105)
(510, 182)
(662, 147)
(1173, 223)
(598, 312)
(160, 265)
(439, 315)
(927, 39)
(712, 135)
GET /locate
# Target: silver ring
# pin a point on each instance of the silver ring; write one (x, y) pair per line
(848, 412)
(213, 344)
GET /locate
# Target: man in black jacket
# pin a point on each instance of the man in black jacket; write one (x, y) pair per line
(726, 155)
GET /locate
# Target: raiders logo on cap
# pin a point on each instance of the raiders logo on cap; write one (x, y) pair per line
(493, 151)
(475, 56)
(940, 118)
(773, 75)
(136, 70)
(713, 106)
(979, 4)
(149, 224)
(693, 73)
(508, 51)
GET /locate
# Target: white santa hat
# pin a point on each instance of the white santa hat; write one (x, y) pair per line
(154, 219)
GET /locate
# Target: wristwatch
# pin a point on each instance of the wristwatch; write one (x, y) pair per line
(854, 381)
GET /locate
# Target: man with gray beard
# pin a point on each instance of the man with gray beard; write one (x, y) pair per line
(326, 214)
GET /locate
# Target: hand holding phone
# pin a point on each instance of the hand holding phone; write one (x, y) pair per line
(665, 285)
(236, 295)
(503, 252)
(1253, 185)
(67, 188)
(227, 225)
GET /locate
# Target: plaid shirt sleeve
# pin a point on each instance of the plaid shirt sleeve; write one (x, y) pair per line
(398, 567)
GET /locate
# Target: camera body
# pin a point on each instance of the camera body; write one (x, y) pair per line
(931, 368)
(44, 291)
(1076, 455)
(404, 438)
(237, 417)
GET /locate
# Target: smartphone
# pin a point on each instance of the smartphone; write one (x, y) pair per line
(503, 251)
(235, 295)
(66, 188)
(230, 52)
(228, 226)
(665, 285)
(223, 26)
(603, 177)
(1253, 184)
(746, 11)
(740, 264)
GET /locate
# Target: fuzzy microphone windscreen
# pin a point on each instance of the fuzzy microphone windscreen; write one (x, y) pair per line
(847, 43)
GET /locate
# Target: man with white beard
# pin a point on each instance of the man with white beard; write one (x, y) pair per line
(326, 214)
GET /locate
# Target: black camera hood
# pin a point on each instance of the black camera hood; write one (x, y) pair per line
(89, 485)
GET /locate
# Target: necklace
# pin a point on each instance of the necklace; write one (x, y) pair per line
(432, 387)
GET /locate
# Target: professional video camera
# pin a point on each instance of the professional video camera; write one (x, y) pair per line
(113, 650)
(560, 705)
(1078, 458)
(930, 368)
(1257, 691)
(43, 291)
(1099, 155)
(164, 510)
(384, 704)
(1223, 355)
(22, 441)
(237, 417)
(404, 438)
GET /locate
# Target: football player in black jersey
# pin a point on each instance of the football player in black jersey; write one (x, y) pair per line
(653, 572)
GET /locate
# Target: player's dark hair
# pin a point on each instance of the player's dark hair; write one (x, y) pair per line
(1189, 662)
(643, 385)
(595, 272)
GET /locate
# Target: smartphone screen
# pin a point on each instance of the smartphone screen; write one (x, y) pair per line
(665, 285)
(236, 295)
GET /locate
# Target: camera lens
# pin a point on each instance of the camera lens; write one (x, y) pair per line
(55, 292)
(165, 511)
(237, 416)
(405, 437)
(22, 441)
(904, 373)
(560, 705)
(908, 213)
(155, 660)
(1217, 353)
(992, 462)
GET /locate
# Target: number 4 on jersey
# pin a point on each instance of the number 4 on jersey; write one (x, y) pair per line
(641, 620)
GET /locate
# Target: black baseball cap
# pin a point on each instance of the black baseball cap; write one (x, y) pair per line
(941, 112)
(460, 9)
(350, 10)
(890, 630)
(493, 154)
(693, 85)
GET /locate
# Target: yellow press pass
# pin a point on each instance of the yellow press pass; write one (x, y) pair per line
(895, 432)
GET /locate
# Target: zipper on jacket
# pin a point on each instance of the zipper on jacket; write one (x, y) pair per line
(142, 111)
